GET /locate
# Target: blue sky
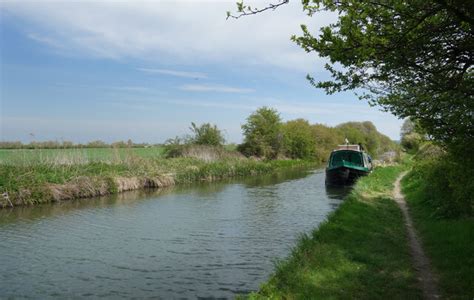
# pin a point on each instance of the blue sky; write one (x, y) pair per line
(144, 70)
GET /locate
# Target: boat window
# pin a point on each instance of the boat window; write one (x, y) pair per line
(348, 156)
(366, 160)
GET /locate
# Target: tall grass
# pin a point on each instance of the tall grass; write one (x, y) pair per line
(202, 152)
(75, 155)
(72, 175)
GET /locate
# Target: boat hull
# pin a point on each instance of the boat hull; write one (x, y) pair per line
(343, 175)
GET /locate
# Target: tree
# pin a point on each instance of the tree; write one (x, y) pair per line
(262, 133)
(366, 133)
(408, 127)
(206, 134)
(414, 58)
(410, 137)
(97, 144)
(327, 139)
(298, 139)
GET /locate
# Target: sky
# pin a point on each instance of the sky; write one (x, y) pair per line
(144, 70)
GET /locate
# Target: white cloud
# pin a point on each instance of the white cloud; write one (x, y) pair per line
(185, 74)
(46, 40)
(172, 31)
(214, 88)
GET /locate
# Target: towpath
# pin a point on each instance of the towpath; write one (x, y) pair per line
(428, 280)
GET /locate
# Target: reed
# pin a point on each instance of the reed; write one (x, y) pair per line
(73, 175)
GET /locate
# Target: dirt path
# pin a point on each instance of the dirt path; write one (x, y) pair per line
(420, 261)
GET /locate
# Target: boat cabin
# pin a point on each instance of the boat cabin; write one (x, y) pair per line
(347, 163)
(350, 155)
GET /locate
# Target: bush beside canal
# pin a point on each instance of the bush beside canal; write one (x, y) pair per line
(360, 252)
(41, 182)
(442, 213)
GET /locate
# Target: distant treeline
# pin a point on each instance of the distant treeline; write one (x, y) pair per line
(71, 145)
(266, 136)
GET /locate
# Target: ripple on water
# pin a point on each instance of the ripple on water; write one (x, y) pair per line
(209, 241)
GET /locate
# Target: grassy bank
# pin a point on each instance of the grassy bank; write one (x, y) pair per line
(360, 252)
(50, 181)
(448, 241)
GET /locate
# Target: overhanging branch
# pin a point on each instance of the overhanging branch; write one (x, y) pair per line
(246, 10)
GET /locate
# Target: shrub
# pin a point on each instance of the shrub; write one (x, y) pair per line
(428, 150)
(206, 143)
(412, 142)
(174, 147)
(206, 134)
(97, 144)
(262, 134)
(298, 139)
(411, 135)
(445, 183)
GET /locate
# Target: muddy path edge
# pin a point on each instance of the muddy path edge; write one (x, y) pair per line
(428, 280)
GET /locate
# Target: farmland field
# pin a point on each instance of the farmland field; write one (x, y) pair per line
(75, 155)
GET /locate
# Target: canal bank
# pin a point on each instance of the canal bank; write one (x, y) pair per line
(45, 183)
(360, 252)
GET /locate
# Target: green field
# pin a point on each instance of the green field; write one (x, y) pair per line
(75, 155)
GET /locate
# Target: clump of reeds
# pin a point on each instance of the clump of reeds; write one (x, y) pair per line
(127, 183)
(81, 187)
(203, 152)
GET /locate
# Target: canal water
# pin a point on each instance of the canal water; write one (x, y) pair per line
(214, 240)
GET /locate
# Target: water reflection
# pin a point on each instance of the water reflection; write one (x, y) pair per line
(338, 192)
(50, 209)
(275, 178)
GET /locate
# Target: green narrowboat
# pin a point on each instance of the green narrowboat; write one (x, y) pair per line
(346, 164)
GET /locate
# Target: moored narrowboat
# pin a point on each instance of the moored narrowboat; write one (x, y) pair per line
(346, 164)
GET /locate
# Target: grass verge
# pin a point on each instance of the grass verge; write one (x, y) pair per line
(27, 184)
(448, 242)
(360, 252)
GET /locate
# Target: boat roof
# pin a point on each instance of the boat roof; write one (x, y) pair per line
(348, 147)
